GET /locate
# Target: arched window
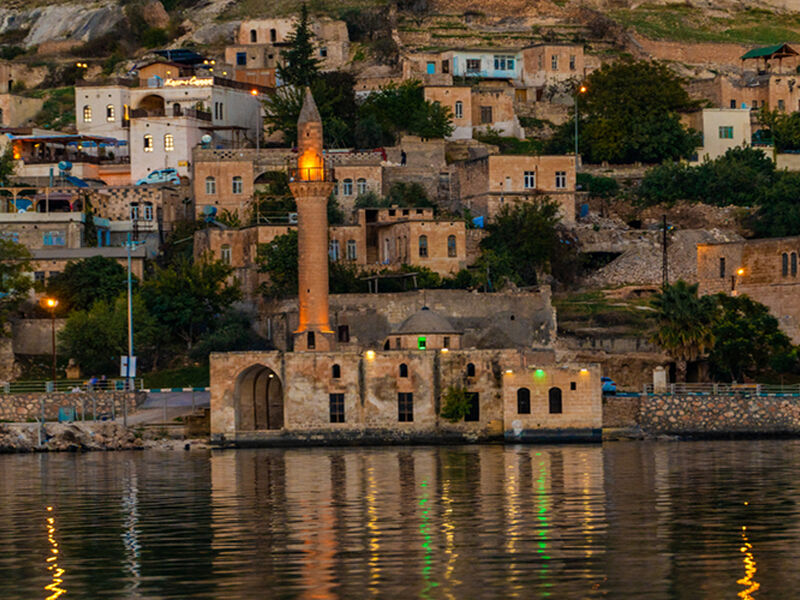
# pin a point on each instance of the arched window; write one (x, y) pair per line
(333, 250)
(403, 370)
(236, 185)
(423, 246)
(361, 186)
(554, 397)
(110, 113)
(169, 142)
(87, 114)
(254, 36)
(523, 401)
(336, 371)
(470, 370)
(211, 186)
(176, 109)
(351, 250)
(148, 143)
(784, 264)
(347, 187)
(793, 261)
(451, 245)
(459, 112)
(225, 254)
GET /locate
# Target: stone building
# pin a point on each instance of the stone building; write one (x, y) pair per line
(722, 129)
(549, 63)
(49, 261)
(478, 108)
(764, 269)
(333, 384)
(18, 111)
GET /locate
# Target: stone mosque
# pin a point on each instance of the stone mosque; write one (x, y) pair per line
(390, 389)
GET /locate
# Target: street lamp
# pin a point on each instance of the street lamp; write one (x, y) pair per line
(739, 273)
(581, 90)
(51, 304)
(254, 93)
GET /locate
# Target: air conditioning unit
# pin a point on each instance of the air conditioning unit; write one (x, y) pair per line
(293, 218)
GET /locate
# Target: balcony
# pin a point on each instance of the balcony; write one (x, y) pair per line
(310, 174)
(143, 113)
(79, 157)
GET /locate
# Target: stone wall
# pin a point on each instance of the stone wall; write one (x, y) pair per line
(27, 407)
(621, 411)
(745, 414)
(35, 336)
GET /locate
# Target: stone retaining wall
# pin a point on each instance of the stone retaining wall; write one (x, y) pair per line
(620, 411)
(719, 415)
(20, 408)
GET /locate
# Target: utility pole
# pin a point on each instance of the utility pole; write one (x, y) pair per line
(664, 260)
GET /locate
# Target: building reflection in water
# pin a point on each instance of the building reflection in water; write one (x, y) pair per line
(416, 522)
(56, 572)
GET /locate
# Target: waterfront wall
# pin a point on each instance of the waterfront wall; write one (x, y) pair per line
(20, 408)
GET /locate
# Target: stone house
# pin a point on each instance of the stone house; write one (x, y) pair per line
(722, 129)
(478, 108)
(36, 230)
(50, 261)
(764, 269)
(549, 63)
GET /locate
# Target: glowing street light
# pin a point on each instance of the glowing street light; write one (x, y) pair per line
(51, 304)
(581, 90)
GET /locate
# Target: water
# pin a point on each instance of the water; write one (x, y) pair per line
(695, 520)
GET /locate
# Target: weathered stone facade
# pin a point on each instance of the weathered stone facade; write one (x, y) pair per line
(28, 407)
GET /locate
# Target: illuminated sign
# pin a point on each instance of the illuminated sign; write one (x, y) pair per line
(190, 81)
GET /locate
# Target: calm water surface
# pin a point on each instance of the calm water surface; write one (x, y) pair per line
(695, 520)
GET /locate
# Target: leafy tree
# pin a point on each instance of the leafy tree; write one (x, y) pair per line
(300, 67)
(782, 127)
(7, 165)
(84, 282)
(598, 186)
(684, 324)
(524, 240)
(279, 260)
(186, 298)
(15, 281)
(179, 243)
(455, 404)
(748, 341)
(97, 337)
(232, 333)
(629, 113)
(407, 195)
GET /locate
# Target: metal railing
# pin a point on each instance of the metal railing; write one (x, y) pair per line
(726, 389)
(68, 386)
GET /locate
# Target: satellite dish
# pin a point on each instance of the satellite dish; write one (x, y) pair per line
(206, 139)
(209, 211)
(65, 165)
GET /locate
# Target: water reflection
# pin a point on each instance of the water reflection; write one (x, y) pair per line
(643, 521)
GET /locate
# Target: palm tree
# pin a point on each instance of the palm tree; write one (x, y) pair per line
(685, 323)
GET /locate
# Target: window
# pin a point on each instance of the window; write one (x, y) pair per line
(446, 342)
(336, 372)
(529, 180)
(733, 102)
(793, 261)
(403, 370)
(361, 186)
(343, 333)
(169, 142)
(726, 133)
(54, 238)
(473, 65)
(451, 246)
(573, 386)
(422, 342)
(211, 186)
(503, 63)
(470, 370)
(337, 408)
(148, 143)
(474, 413)
(311, 340)
(333, 250)
(445, 66)
(323, 52)
(571, 62)
(87, 114)
(459, 112)
(486, 114)
(236, 185)
(110, 113)
(722, 268)
(405, 407)
(554, 397)
(148, 211)
(254, 36)
(423, 246)
(784, 264)
(347, 187)
(523, 401)
(134, 211)
(273, 35)
(554, 62)
(561, 180)
(781, 105)
(351, 250)
(241, 59)
(38, 276)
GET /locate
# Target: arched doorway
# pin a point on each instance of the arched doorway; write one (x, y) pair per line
(258, 399)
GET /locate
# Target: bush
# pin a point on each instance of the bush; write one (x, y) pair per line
(455, 404)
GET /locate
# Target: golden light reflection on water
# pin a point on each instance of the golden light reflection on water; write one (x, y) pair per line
(372, 528)
(749, 568)
(56, 572)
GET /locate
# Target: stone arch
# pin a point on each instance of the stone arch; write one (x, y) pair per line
(258, 399)
(152, 103)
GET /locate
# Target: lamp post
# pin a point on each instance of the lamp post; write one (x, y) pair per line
(739, 273)
(51, 304)
(254, 92)
(130, 244)
(581, 90)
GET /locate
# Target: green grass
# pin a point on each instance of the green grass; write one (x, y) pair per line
(193, 376)
(252, 9)
(683, 23)
(58, 110)
(591, 310)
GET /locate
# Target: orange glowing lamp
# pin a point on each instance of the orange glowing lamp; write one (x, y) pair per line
(310, 166)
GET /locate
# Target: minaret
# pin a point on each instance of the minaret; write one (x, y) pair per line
(311, 184)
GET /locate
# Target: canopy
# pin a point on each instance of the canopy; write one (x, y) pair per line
(776, 51)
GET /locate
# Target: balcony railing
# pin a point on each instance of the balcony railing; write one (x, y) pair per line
(310, 174)
(143, 113)
(77, 158)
